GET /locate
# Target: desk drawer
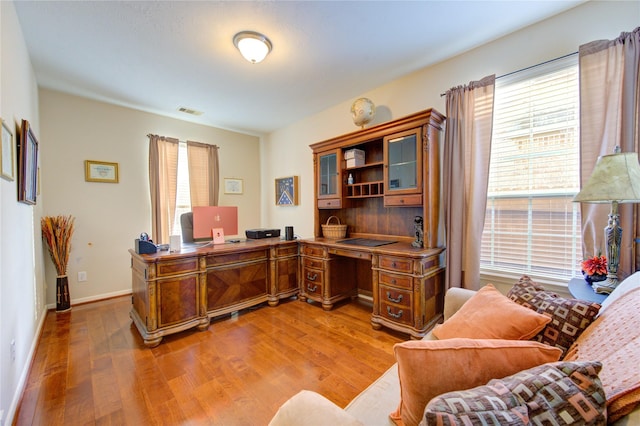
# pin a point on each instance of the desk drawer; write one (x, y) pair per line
(316, 251)
(247, 256)
(402, 200)
(395, 280)
(287, 251)
(329, 203)
(312, 281)
(395, 313)
(397, 297)
(356, 254)
(396, 264)
(312, 263)
(175, 267)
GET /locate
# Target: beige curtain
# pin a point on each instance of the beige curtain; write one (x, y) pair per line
(163, 179)
(203, 173)
(467, 152)
(609, 110)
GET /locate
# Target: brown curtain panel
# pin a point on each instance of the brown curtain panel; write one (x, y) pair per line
(609, 111)
(467, 151)
(163, 180)
(203, 173)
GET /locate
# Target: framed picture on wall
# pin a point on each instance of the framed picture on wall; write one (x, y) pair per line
(27, 164)
(100, 171)
(287, 191)
(233, 186)
(6, 155)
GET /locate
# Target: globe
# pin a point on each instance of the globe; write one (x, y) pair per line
(362, 111)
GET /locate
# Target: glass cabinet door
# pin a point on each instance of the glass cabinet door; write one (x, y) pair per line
(328, 175)
(402, 155)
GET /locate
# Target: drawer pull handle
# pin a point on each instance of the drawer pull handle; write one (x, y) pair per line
(393, 280)
(391, 299)
(393, 264)
(391, 314)
(312, 289)
(311, 277)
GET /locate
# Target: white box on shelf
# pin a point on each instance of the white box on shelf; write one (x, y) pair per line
(355, 162)
(354, 153)
(354, 157)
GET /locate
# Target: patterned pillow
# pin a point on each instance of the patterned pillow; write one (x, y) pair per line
(569, 317)
(553, 393)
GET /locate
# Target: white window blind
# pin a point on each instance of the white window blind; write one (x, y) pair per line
(532, 226)
(183, 195)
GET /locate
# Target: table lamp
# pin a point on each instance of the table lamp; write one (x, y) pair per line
(615, 179)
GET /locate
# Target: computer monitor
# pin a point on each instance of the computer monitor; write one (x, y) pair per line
(206, 218)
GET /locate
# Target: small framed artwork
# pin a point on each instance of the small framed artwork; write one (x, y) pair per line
(27, 164)
(100, 171)
(233, 186)
(287, 191)
(6, 155)
(217, 235)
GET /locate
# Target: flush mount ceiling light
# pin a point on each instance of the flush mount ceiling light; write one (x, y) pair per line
(252, 45)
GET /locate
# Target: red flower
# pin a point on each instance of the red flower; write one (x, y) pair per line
(596, 265)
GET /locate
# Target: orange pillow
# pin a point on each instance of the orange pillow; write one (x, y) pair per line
(428, 368)
(489, 314)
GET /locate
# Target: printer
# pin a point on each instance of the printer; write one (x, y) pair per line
(262, 233)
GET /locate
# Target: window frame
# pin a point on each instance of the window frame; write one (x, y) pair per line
(489, 270)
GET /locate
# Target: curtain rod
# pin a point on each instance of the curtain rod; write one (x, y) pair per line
(167, 137)
(529, 67)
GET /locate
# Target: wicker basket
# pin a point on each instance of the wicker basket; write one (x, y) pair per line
(334, 231)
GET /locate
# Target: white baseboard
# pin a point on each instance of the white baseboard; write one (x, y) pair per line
(94, 298)
(25, 371)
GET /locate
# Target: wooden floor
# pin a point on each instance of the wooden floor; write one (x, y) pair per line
(91, 366)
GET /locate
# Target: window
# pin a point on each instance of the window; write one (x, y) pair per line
(532, 224)
(180, 175)
(183, 195)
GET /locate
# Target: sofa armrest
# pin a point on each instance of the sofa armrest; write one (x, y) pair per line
(454, 298)
(308, 408)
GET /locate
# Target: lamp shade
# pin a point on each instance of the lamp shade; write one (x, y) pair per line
(252, 45)
(616, 177)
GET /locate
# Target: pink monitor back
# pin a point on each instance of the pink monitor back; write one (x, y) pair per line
(207, 217)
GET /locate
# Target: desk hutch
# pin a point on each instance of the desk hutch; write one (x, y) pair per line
(398, 180)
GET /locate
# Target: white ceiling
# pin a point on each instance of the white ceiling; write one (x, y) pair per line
(158, 56)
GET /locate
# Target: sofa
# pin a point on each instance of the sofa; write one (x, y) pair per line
(607, 348)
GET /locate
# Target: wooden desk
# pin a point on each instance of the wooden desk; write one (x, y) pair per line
(405, 283)
(173, 292)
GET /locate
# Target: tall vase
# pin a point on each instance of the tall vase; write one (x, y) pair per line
(63, 299)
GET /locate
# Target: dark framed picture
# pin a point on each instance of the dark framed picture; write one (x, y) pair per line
(287, 191)
(27, 164)
(6, 155)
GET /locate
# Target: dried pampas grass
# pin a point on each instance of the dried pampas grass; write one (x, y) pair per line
(57, 232)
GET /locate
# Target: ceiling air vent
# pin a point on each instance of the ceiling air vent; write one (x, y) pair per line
(189, 111)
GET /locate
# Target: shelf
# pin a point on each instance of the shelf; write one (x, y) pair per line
(367, 165)
(365, 190)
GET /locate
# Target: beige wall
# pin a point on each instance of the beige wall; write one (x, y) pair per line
(110, 216)
(22, 299)
(555, 37)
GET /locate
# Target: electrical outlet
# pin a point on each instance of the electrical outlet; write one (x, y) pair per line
(13, 350)
(82, 276)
